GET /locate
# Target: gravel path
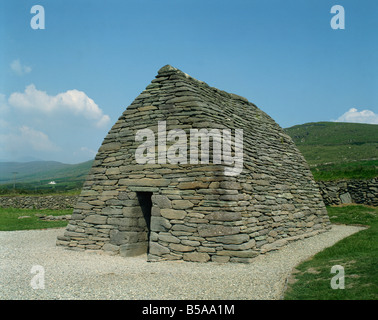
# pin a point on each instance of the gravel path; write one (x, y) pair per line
(85, 275)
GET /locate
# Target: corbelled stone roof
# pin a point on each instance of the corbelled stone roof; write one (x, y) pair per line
(197, 212)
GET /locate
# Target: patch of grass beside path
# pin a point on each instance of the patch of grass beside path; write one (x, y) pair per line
(9, 219)
(363, 169)
(357, 254)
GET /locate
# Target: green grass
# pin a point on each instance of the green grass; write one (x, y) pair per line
(358, 254)
(321, 154)
(336, 150)
(338, 143)
(367, 169)
(333, 134)
(9, 219)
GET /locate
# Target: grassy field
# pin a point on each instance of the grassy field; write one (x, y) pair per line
(335, 134)
(358, 254)
(337, 150)
(9, 219)
(348, 170)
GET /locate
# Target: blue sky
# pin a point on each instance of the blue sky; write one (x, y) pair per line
(62, 88)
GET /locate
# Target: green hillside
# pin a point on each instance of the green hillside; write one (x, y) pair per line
(334, 133)
(336, 150)
(35, 176)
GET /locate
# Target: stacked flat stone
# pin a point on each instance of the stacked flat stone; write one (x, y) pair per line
(198, 213)
(55, 202)
(350, 191)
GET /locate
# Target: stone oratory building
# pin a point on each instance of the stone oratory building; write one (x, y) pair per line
(190, 172)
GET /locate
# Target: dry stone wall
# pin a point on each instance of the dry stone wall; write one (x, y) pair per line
(55, 202)
(350, 191)
(197, 213)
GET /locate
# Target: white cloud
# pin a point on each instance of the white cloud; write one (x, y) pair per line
(19, 69)
(38, 140)
(364, 116)
(26, 138)
(72, 101)
(3, 104)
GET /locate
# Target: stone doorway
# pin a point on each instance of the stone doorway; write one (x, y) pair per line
(145, 204)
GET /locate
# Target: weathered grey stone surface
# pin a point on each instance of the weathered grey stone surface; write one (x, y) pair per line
(350, 191)
(132, 249)
(56, 202)
(197, 212)
(345, 198)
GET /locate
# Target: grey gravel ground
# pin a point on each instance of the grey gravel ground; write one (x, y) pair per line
(85, 275)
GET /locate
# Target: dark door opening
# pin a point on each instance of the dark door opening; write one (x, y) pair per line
(145, 203)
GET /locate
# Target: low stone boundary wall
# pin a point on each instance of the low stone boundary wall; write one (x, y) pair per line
(333, 193)
(349, 191)
(56, 202)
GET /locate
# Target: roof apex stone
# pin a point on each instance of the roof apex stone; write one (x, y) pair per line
(170, 70)
(167, 68)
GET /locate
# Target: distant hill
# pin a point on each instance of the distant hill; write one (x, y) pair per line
(324, 142)
(338, 150)
(36, 175)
